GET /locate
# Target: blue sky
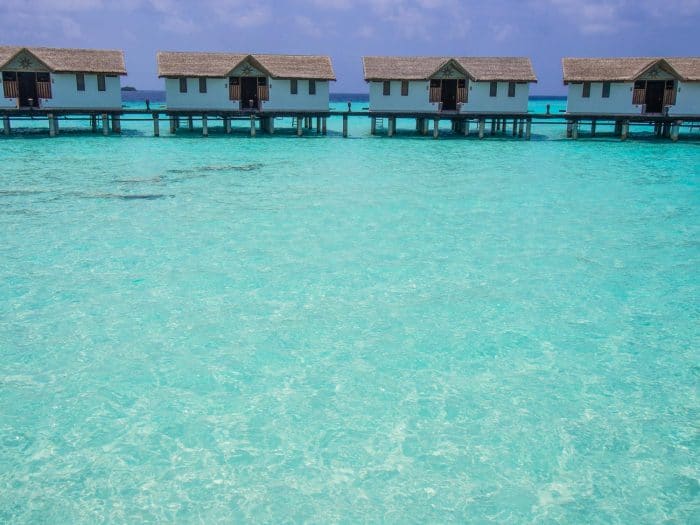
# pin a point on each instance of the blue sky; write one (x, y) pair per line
(544, 30)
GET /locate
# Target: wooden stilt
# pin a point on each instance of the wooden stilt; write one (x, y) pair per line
(105, 124)
(156, 125)
(493, 126)
(52, 125)
(177, 122)
(271, 125)
(465, 127)
(618, 128)
(227, 125)
(482, 125)
(392, 128)
(373, 126)
(436, 128)
(324, 127)
(345, 126)
(173, 125)
(93, 123)
(190, 123)
(593, 126)
(528, 129)
(574, 129)
(624, 130)
(299, 130)
(667, 130)
(116, 124)
(515, 127)
(6, 125)
(521, 124)
(675, 130)
(569, 129)
(418, 124)
(205, 126)
(426, 125)
(252, 125)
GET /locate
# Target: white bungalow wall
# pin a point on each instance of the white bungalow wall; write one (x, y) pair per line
(687, 99)
(418, 98)
(619, 102)
(65, 94)
(479, 99)
(281, 98)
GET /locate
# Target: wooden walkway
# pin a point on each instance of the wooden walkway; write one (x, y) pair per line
(518, 125)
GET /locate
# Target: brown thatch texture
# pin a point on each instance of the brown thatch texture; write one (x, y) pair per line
(65, 60)
(179, 64)
(625, 69)
(514, 69)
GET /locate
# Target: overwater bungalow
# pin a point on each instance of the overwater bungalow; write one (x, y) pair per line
(468, 85)
(61, 78)
(240, 82)
(633, 86)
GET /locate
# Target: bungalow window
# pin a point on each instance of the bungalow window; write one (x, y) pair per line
(511, 89)
(312, 87)
(203, 85)
(80, 81)
(10, 88)
(606, 90)
(183, 85)
(586, 90)
(294, 86)
(386, 88)
(493, 89)
(404, 88)
(43, 85)
(101, 86)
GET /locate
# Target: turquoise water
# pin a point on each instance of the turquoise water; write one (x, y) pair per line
(321, 330)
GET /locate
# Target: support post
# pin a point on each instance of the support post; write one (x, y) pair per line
(593, 126)
(391, 129)
(318, 125)
(205, 126)
(675, 130)
(116, 124)
(252, 125)
(105, 124)
(515, 127)
(6, 125)
(373, 126)
(299, 131)
(173, 125)
(625, 130)
(271, 125)
(418, 124)
(436, 128)
(569, 129)
(323, 126)
(190, 123)
(493, 126)
(93, 123)
(345, 126)
(521, 124)
(465, 127)
(528, 129)
(227, 125)
(156, 125)
(574, 129)
(52, 125)
(426, 125)
(482, 125)
(618, 128)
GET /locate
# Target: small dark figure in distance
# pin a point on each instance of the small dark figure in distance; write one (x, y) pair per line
(349, 106)
(148, 105)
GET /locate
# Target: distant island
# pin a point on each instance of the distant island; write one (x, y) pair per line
(129, 88)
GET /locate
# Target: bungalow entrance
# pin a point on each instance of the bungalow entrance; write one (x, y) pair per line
(654, 94)
(449, 91)
(26, 87)
(252, 91)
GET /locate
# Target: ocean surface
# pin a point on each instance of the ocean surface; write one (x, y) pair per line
(363, 330)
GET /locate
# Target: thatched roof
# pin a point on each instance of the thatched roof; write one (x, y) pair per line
(179, 64)
(66, 60)
(627, 69)
(505, 69)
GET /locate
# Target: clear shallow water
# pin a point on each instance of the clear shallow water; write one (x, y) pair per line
(327, 330)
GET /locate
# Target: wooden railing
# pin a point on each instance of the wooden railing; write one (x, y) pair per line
(11, 88)
(43, 89)
(462, 94)
(639, 96)
(263, 93)
(234, 92)
(669, 97)
(435, 94)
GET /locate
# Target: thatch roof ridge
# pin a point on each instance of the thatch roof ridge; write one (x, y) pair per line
(66, 59)
(619, 69)
(517, 69)
(219, 64)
